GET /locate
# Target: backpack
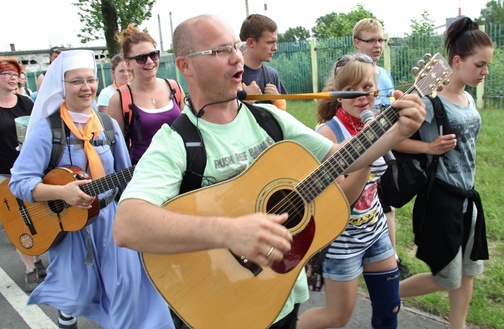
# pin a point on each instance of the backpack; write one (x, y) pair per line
(129, 111)
(195, 147)
(60, 131)
(411, 173)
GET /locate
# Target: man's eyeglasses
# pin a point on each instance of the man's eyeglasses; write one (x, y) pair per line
(10, 75)
(142, 59)
(222, 51)
(81, 82)
(373, 41)
(343, 60)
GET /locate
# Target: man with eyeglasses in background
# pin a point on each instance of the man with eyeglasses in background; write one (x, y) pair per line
(260, 34)
(210, 57)
(368, 38)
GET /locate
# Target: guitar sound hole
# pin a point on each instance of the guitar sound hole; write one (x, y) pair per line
(56, 206)
(287, 201)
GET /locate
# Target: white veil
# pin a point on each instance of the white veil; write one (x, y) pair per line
(52, 91)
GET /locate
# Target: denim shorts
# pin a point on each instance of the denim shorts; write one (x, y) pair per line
(350, 268)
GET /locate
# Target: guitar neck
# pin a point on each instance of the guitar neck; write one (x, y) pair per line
(108, 182)
(340, 161)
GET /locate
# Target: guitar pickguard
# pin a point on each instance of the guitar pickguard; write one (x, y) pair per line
(277, 197)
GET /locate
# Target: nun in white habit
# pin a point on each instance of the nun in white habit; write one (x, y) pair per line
(88, 275)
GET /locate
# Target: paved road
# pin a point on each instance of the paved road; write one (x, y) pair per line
(16, 315)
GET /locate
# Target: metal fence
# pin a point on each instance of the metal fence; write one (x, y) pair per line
(305, 65)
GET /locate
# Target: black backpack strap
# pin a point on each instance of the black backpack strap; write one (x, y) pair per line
(175, 91)
(136, 116)
(441, 121)
(60, 132)
(108, 130)
(440, 117)
(58, 138)
(267, 122)
(195, 151)
(195, 147)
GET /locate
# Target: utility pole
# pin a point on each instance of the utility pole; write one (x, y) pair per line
(160, 34)
(171, 30)
(177, 73)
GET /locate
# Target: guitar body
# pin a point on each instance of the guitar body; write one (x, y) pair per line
(211, 288)
(34, 227)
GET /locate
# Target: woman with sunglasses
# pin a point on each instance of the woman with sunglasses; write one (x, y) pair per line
(364, 247)
(88, 275)
(153, 101)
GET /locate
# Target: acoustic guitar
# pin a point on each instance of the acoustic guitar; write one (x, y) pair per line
(34, 227)
(216, 289)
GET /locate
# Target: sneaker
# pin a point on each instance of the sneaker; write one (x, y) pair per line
(404, 272)
(41, 269)
(66, 322)
(31, 281)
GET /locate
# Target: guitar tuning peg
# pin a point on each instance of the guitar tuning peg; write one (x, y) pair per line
(421, 63)
(427, 57)
(446, 81)
(415, 70)
(433, 94)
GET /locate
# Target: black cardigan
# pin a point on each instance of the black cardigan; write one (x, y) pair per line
(441, 228)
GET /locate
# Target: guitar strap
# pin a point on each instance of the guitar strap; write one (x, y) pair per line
(195, 147)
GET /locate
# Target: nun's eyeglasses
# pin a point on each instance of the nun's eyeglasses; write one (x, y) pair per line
(81, 82)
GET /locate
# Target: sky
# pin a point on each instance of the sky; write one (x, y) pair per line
(38, 26)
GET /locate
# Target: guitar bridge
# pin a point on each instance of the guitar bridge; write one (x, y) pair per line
(252, 267)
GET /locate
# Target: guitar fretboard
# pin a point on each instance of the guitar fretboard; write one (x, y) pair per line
(327, 172)
(108, 182)
(432, 76)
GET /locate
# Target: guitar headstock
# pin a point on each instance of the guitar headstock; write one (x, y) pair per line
(432, 75)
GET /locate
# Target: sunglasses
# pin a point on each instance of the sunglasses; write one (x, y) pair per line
(142, 59)
(363, 58)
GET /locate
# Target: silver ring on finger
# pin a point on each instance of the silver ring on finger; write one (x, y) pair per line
(270, 252)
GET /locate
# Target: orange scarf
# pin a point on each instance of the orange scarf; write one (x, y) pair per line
(91, 130)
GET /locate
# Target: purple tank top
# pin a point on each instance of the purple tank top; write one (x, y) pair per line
(151, 122)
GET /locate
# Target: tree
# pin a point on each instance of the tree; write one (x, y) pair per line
(423, 28)
(493, 13)
(294, 34)
(103, 19)
(339, 25)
